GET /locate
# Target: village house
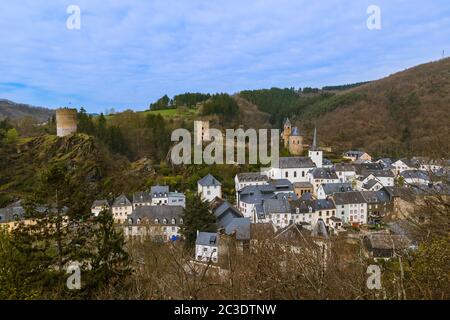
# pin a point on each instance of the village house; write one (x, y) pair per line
(378, 205)
(415, 177)
(319, 176)
(328, 189)
(351, 207)
(141, 199)
(209, 188)
(385, 246)
(402, 165)
(357, 155)
(251, 196)
(249, 179)
(345, 172)
(121, 208)
(161, 196)
(207, 247)
(369, 185)
(99, 206)
(300, 188)
(158, 223)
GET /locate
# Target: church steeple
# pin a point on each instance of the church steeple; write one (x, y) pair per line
(314, 144)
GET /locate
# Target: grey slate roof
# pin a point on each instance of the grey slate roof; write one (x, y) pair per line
(100, 203)
(252, 177)
(380, 196)
(151, 213)
(330, 188)
(121, 201)
(383, 173)
(209, 180)
(224, 212)
(344, 167)
(386, 241)
(159, 191)
(323, 204)
(324, 173)
(351, 197)
(276, 206)
(295, 132)
(142, 197)
(207, 239)
(281, 185)
(370, 184)
(239, 226)
(302, 184)
(415, 174)
(296, 162)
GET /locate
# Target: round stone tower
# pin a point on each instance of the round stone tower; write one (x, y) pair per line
(66, 122)
(295, 142)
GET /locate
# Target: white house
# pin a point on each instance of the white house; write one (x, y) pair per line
(209, 188)
(207, 247)
(121, 208)
(351, 207)
(161, 196)
(345, 172)
(295, 169)
(245, 179)
(401, 165)
(98, 206)
(415, 177)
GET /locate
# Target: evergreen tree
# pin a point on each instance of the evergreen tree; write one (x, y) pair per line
(196, 217)
(109, 260)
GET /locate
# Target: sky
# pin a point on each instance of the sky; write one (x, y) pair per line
(127, 54)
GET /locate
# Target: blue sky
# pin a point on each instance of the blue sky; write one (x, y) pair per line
(129, 53)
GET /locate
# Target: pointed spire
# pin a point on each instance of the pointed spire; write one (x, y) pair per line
(314, 144)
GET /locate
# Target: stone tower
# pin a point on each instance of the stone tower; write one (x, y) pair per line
(201, 129)
(315, 153)
(66, 122)
(287, 129)
(295, 142)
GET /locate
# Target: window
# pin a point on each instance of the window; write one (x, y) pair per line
(303, 173)
(286, 174)
(295, 174)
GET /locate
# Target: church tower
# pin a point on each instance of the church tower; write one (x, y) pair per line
(295, 142)
(315, 153)
(287, 128)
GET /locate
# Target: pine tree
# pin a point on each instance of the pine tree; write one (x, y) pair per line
(196, 217)
(109, 260)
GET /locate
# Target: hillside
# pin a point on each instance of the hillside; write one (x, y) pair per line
(12, 110)
(405, 113)
(89, 163)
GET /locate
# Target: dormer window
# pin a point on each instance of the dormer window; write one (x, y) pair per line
(173, 221)
(165, 221)
(181, 221)
(156, 221)
(130, 221)
(139, 221)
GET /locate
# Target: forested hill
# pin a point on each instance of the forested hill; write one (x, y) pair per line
(12, 110)
(405, 113)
